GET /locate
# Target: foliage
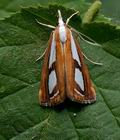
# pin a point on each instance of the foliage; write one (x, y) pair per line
(22, 41)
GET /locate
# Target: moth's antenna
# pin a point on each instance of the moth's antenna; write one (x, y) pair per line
(71, 17)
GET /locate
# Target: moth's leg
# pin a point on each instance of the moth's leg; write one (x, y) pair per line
(82, 36)
(47, 25)
(41, 55)
(93, 62)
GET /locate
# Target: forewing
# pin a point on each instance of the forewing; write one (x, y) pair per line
(78, 84)
(52, 82)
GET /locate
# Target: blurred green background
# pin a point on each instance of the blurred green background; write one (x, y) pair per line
(110, 8)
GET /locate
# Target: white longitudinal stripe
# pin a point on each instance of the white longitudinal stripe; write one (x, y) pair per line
(52, 82)
(79, 78)
(78, 92)
(74, 50)
(52, 51)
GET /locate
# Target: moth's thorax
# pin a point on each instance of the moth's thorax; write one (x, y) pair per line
(62, 33)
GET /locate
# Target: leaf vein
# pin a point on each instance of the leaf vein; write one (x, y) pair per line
(117, 122)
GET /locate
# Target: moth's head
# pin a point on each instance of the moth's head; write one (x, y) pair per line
(60, 20)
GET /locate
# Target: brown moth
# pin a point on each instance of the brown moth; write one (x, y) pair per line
(64, 73)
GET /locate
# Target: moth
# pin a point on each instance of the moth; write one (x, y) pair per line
(64, 73)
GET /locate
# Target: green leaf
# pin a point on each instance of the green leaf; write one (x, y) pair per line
(101, 31)
(22, 41)
(112, 10)
(9, 7)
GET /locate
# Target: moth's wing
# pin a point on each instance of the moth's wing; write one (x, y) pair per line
(52, 90)
(78, 83)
